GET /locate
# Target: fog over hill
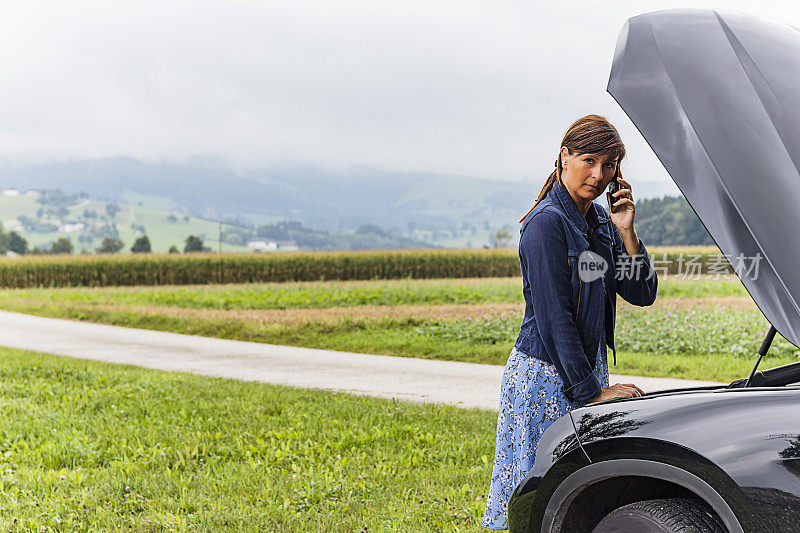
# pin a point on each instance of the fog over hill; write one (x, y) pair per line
(319, 198)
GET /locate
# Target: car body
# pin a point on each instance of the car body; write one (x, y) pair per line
(738, 449)
(717, 97)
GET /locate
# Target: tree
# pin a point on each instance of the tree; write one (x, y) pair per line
(172, 218)
(141, 245)
(17, 243)
(110, 246)
(107, 230)
(62, 246)
(372, 228)
(112, 210)
(669, 221)
(502, 238)
(193, 244)
(174, 249)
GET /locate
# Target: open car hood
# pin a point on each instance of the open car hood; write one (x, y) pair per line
(717, 97)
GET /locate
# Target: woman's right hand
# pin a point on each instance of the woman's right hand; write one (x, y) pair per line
(618, 390)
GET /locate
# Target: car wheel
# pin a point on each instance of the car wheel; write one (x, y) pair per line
(672, 515)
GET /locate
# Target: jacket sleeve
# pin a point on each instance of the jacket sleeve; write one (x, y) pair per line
(637, 281)
(545, 259)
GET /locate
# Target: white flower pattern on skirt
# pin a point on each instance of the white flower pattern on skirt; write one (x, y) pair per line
(532, 398)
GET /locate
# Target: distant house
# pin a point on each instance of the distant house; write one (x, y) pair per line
(69, 227)
(263, 246)
(31, 193)
(8, 191)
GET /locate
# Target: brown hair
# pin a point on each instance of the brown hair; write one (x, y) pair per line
(591, 134)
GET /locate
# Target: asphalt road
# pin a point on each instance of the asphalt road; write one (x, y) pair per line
(403, 378)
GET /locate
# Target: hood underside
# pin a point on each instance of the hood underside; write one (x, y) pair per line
(717, 97)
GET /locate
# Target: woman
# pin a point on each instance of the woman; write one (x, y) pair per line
(575, 258)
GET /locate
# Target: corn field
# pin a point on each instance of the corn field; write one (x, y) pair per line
(170, 269)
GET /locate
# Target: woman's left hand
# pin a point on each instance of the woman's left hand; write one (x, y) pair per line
(623, 218)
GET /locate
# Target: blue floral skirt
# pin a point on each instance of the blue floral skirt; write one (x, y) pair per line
(532, 398)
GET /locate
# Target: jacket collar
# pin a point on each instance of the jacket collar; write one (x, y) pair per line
(594, 216)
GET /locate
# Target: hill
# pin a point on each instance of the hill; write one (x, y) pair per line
(41, 217)
(335, 201)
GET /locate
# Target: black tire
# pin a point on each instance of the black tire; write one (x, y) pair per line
(672, 515)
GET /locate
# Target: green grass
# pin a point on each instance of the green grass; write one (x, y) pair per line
(716, 367)
(163, 234)
(307, 295)
(14, 206)
(88, 446)
(298, 295)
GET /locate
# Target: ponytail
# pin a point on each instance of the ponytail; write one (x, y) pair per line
(548, 184)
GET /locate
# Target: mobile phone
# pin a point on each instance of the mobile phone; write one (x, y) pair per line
(613, 186)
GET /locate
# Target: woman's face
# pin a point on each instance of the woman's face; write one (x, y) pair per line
(586, 175)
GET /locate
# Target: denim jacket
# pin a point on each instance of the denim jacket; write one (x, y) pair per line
(565, 310)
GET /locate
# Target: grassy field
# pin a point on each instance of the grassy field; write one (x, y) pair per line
(163, 234)
(91, 446)
(707, 330)
(324, 294)
(88, 446)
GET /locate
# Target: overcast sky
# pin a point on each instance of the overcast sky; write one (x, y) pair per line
(477, 88)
